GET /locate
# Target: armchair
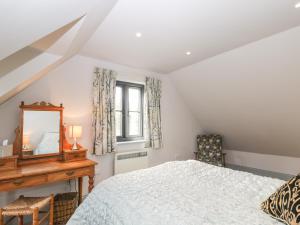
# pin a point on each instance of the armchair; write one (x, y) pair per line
(209, 149)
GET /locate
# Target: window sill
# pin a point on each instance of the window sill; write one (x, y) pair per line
(130, 142)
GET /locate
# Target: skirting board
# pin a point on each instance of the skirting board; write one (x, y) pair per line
(274, 163)
(260, 172)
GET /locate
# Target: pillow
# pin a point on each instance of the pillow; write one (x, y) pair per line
(48, 144)
(284, 204)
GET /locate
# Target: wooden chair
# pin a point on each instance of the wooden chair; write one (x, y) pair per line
(24, 206)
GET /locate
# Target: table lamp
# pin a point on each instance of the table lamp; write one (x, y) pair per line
(26, 141)
(75, 132)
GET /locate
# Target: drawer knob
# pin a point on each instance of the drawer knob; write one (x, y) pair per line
(18, 182)
(70, 173)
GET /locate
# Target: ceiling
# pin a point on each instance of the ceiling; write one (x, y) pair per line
(171, 27)
(38, 36)
(250, 95)
(23, 22)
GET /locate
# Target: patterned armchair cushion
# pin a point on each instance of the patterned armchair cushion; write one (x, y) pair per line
(284, 204)
(210, 149)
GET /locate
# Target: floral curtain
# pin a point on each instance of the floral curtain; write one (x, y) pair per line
(153, 129)
(104, 86)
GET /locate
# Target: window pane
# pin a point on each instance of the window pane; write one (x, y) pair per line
(118, 103)
(134, 95)
(134, 124)
(118, 123)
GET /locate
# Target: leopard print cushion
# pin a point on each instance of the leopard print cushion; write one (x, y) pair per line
(284, 204)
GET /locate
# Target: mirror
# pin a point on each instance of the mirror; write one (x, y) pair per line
(40, 130)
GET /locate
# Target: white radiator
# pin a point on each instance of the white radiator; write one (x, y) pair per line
(129, 161)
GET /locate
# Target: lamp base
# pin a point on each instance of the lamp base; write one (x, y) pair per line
(75, 147)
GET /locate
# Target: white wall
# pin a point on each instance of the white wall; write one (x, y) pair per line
(250, 95)
(267, 162)
(71, 84)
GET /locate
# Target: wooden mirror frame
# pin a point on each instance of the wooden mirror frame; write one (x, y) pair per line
(38, 106)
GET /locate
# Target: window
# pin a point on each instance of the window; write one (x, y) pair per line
(129, 111)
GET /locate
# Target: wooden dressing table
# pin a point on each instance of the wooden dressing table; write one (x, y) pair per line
(22, 171)
(44, 173)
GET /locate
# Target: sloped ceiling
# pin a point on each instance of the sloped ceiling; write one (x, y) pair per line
(37, 36)
(250, 95)
(24, 22)
(170, 28)
(24, 55)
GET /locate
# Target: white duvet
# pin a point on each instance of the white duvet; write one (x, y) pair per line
(178, 193)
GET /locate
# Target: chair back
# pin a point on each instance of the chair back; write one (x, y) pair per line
(210, 149)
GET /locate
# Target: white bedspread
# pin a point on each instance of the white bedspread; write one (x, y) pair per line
(178, 193)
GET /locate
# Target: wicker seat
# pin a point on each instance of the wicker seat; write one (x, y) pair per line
(24, 206)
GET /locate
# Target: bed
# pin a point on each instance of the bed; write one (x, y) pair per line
(179, 193)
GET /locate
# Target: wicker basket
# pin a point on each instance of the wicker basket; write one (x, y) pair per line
(64, 206)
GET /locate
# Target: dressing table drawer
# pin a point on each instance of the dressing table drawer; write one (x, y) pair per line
(8, 185)
(8, 163)
(69, 174)
(75, 155)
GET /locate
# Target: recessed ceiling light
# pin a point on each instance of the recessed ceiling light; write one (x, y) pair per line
(188, 53)
(297, 5)
(138, 34)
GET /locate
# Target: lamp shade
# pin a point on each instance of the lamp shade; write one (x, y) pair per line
(26, 139)
(75, 131)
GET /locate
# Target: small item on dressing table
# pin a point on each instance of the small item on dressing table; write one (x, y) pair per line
(5, 142)
(6, 149)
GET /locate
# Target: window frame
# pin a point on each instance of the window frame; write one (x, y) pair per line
(125, 112)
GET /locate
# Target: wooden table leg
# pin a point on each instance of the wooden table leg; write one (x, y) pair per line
(91, 183)
(79, 190)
